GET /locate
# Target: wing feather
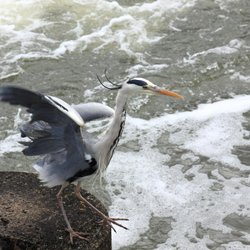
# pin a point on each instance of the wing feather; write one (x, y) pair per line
(55, 134)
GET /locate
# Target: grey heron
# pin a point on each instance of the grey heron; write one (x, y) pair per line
(56, 131)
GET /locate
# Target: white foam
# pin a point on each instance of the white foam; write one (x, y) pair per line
(239, 76)
(148, 186)
(9, 144)
(232, 47)
(20, 24)
(146, 68)
(109, 34)
(141, 184)
(124, 26)
(225, 4)
(161, 7)
(216, 138)
(98, 24)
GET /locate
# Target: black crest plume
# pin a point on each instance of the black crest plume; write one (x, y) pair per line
(116, 86)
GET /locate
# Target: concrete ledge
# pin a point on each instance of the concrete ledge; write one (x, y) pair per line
(30, 217)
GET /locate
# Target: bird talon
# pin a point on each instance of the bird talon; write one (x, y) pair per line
(125, 219)
(80, 235)
(109, 221)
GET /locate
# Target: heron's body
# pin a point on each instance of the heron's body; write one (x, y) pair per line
(57, 134)
(83, 156)
(56, 137)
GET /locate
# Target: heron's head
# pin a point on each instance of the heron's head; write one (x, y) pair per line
(141, 85)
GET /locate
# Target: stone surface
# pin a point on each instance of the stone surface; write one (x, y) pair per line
(30, 217)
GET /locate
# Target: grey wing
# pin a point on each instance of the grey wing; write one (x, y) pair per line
(54, 133)
(93, 111)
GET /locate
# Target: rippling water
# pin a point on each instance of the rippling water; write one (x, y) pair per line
(181, 172)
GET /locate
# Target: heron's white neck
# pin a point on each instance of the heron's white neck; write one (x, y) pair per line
(107, 144)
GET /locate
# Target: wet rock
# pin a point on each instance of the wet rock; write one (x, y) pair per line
(245, 183)
(238, 222)
(242, 152)
(200, 231)
(230, 172)
(218, 237)
(189, 177)
(216, 186)
(131, 146)
(159, 228)
(30, 217)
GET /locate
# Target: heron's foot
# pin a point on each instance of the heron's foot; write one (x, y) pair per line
(110, 221)
(80, 235)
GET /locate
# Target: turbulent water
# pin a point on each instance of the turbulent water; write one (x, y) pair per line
(181, 171)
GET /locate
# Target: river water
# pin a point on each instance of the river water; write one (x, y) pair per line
(181, 171)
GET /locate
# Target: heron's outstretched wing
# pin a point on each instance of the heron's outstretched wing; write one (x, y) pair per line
(55, 133)
(92, 111)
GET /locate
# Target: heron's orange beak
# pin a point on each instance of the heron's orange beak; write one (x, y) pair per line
(154, 88)
(158, 90)
(169, 93)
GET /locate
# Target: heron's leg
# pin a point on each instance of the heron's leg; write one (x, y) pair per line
(106, 219)
(72, 233)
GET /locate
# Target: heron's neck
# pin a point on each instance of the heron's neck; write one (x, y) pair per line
(109, 142)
